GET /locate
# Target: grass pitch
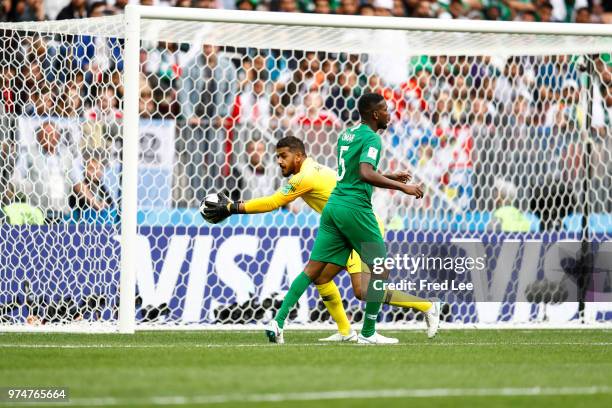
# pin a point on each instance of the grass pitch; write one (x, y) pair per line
(471, 368)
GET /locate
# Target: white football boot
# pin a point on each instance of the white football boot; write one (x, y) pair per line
(432, 319)
(376, 339)
(275, 333)
(339, 338)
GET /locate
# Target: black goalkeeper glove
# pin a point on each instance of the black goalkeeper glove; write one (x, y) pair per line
(215, 212)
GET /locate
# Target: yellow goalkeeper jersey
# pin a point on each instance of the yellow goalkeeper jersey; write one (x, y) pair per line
(314, 183)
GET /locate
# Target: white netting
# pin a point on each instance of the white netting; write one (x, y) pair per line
(60, 171)
(520, 128)
(359, 41)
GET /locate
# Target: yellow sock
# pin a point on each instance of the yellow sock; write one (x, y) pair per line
(333, 302)
(401, 299)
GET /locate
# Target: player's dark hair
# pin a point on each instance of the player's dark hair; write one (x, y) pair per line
(293, 143)
(367, 103)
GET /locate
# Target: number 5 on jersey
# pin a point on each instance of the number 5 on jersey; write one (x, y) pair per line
(341, 164)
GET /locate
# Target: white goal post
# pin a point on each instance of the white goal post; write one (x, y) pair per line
(488, 115)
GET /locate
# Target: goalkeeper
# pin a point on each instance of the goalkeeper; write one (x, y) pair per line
(314, 183)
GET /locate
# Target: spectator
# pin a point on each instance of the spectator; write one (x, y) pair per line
(422, 9)
(97, 9)
(322, 7)
(146, 101)
(513, 82)
(316, 126)
(330, 70)
(563, 10)
(527, 16)
(247, 5)
(93, 179)
(98, 55)
(288, 6)
(165, 65)
(254, 105)
(315, 115)
(44, 100)
(293, 85)
(493, 12)
(69, 104)
(399, 10)
(343, 97)
(597, 12)
(506, 217)
(480, 113)
(606, 12)
(383, 8)
(602, 109)
(28, 10)
(456, 9)
(259, 172)
(348, 7)
(566, 113)
(367, 10)
(583, 15)
(442, 115)
(5, 10)
(208, 89)
(8, 131)
(103, 122)
(210, 4)
(48, 172)
(165, 61)
(544, 12)
(119, 6)
(252, 70)
(75, 9)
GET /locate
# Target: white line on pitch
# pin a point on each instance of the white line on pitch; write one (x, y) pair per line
(322, 344)
(339, 395)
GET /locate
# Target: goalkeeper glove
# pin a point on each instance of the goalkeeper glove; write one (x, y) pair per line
(215, 212)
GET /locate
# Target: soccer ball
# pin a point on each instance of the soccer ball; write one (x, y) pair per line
(211, 198)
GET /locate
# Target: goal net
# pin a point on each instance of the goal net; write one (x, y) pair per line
(507, 125)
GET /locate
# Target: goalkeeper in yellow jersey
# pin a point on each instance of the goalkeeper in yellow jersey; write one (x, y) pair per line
(314, 183)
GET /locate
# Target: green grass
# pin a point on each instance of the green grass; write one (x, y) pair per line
(240, 369)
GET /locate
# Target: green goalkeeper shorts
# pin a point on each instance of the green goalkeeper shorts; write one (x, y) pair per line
(343, 229)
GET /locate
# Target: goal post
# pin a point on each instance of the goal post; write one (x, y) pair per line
(129, 255)
(507, 124)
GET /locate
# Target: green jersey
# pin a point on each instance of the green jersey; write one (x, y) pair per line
(358, 144)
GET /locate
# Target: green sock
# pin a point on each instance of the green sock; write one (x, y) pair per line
(298, 287)
(372, 308)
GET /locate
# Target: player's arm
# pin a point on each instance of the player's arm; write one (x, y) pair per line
(217, 212)
(371, 176)
(267, 204)
(367, 171)
(402, 176)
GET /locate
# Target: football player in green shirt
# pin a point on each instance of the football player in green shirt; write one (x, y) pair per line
(348, 222)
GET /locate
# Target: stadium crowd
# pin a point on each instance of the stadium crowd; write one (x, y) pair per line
(579, 11)
(464, 125)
